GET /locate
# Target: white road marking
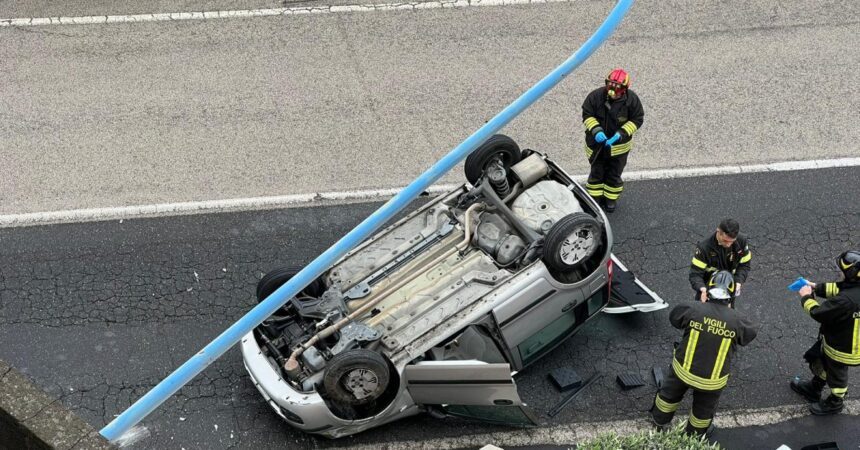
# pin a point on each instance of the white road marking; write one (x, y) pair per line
(285, 201)
(576, 433)
(754, 168)
(246, 13)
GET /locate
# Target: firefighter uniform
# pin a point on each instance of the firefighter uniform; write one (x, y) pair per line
(624, 116)
(838, 346)
(701, 361)
(710, 257)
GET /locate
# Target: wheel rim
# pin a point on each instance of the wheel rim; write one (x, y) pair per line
(577, 246)
(362, 383)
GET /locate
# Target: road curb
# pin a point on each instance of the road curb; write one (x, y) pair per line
(574, 433)
(31, 419)
(371, 195)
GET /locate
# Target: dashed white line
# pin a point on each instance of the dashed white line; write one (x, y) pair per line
(268, 12)
(285, 201)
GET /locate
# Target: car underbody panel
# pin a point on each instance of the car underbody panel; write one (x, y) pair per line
(436, 294)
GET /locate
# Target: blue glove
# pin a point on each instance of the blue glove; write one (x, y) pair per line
(615, 137)
(600, 137)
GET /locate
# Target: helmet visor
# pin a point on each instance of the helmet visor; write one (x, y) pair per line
(719, 293)
(849, 259)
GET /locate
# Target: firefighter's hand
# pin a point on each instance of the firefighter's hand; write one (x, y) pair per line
(615, 137)
(703, 295)
(737, 289)
(600, 137)
(804, 291)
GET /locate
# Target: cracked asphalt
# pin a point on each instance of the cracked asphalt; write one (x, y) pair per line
(98, 313)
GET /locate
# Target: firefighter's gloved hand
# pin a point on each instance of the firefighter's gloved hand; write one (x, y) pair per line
(615, 137)
(600, 137)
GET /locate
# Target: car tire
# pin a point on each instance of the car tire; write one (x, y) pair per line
(497, 146)
(571, 241)
(358, 370)
(276, 278)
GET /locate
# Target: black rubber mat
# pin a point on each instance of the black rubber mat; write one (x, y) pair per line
(565, 378)
(630, 380)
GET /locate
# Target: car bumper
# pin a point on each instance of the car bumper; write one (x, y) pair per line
(303, 410)
(307, 411)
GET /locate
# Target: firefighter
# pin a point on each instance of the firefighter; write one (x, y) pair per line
(611, 115)
(838, 345)
(726, 249)
(701, 361)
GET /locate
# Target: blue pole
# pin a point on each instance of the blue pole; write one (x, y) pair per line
(187, 371)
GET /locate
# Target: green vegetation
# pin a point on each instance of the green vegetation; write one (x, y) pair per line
(649, 440)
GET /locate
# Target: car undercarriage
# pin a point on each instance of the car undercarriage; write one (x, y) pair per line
(521, 233)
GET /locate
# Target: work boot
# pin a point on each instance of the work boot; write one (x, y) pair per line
(810, 390)
(690, 431)
(660, 427)
(610, 205)
(710, 430)
(830, 405)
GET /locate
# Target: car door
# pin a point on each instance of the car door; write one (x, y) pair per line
(541, 314)
(629, 294)
(469, 375)
(472, 389)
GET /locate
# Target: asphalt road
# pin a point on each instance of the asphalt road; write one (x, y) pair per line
(98, 313)
(141, 113)
(798, 434)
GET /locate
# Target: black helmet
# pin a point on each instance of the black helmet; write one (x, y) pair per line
(849, 264)
(721, 286)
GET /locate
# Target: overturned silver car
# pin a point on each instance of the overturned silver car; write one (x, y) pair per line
(438, 311)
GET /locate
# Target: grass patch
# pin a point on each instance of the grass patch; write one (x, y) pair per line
(649, 440)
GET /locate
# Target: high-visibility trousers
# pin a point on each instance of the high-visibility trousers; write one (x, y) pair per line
(604, 180)
(670, 396)
(834, 373)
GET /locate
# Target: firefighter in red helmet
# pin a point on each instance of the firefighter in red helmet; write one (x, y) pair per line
(611, 115)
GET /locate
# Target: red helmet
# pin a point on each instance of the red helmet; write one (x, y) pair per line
(617, 83)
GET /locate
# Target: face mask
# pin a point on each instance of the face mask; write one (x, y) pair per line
(614, 90)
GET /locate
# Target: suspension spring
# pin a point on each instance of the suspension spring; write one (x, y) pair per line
(499, 180)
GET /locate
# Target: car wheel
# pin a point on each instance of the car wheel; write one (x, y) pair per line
(498, 147)
(571, 241)
(276, 278)
(356, 377)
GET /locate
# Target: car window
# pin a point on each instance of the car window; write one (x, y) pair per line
(536, 345)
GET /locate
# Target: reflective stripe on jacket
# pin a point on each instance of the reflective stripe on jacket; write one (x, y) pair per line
(624, 115)
(839, 316)
(709, 257)
(711, 332)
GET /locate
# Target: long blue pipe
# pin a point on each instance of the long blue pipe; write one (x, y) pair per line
(167, 387)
